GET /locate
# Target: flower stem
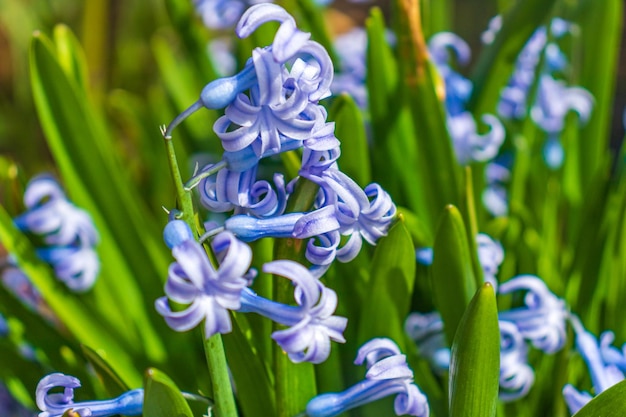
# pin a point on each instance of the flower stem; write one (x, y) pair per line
(213, 346)
(220, 381)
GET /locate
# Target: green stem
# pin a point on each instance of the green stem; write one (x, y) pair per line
(220, 381)
(213, 346)
(472, 226)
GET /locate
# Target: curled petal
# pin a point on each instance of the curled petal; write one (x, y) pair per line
(542, 321)
(258, 14)
(411, 402)
(372, 351)
(441, 43)
(575, 399)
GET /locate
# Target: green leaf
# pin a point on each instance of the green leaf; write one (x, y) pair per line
(254, 386)
(475, 361)
(350, 130)
(420, 92)
(453, 282)
(602, 22)
(609, 403)
(388, 298)
(112, 382)
(84, 152)
(162, 397)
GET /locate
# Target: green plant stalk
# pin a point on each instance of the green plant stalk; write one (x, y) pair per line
(472, 226)
(213, 347)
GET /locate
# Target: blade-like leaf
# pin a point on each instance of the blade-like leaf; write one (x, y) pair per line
(453, 281)
(475, 361)
(162, 397)
(609, 403)
(388, 297)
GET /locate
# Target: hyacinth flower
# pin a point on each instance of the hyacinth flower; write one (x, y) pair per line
(211, 294)
(426, 330)
(495, 196)
(387, 374)
(56, 404)
(280, 103)
(516, 376)
(312, 323)
(542, 319)
(66, 230)
(513, 99)
(603, 374)
(490, 256)
(208, 293)
(242, 193)
(469, 146)
(344, 209)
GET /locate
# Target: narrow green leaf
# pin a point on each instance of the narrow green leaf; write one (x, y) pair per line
(601, 25)
(162, 397)
(394, 148)
(254, 386)
(475, 361)
(110, 379)
(85, 155)
(609, 403)
(419, 90)
(350, 130)
(390, 289)
(453, 281)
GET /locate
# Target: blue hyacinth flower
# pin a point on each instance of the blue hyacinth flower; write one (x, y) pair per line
(542, 319)
(55, 405)
(208, 293)
(311, 322)
(603, 374)
(387, 374)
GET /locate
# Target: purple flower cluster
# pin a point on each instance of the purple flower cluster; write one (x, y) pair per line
(469, 145)
(66, 233)
(606, 364)
(387, 374)
(55, 405)
(554, 98)
(271, 107)
(210, 293)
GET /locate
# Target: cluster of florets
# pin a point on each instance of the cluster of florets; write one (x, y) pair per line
(64, 234)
